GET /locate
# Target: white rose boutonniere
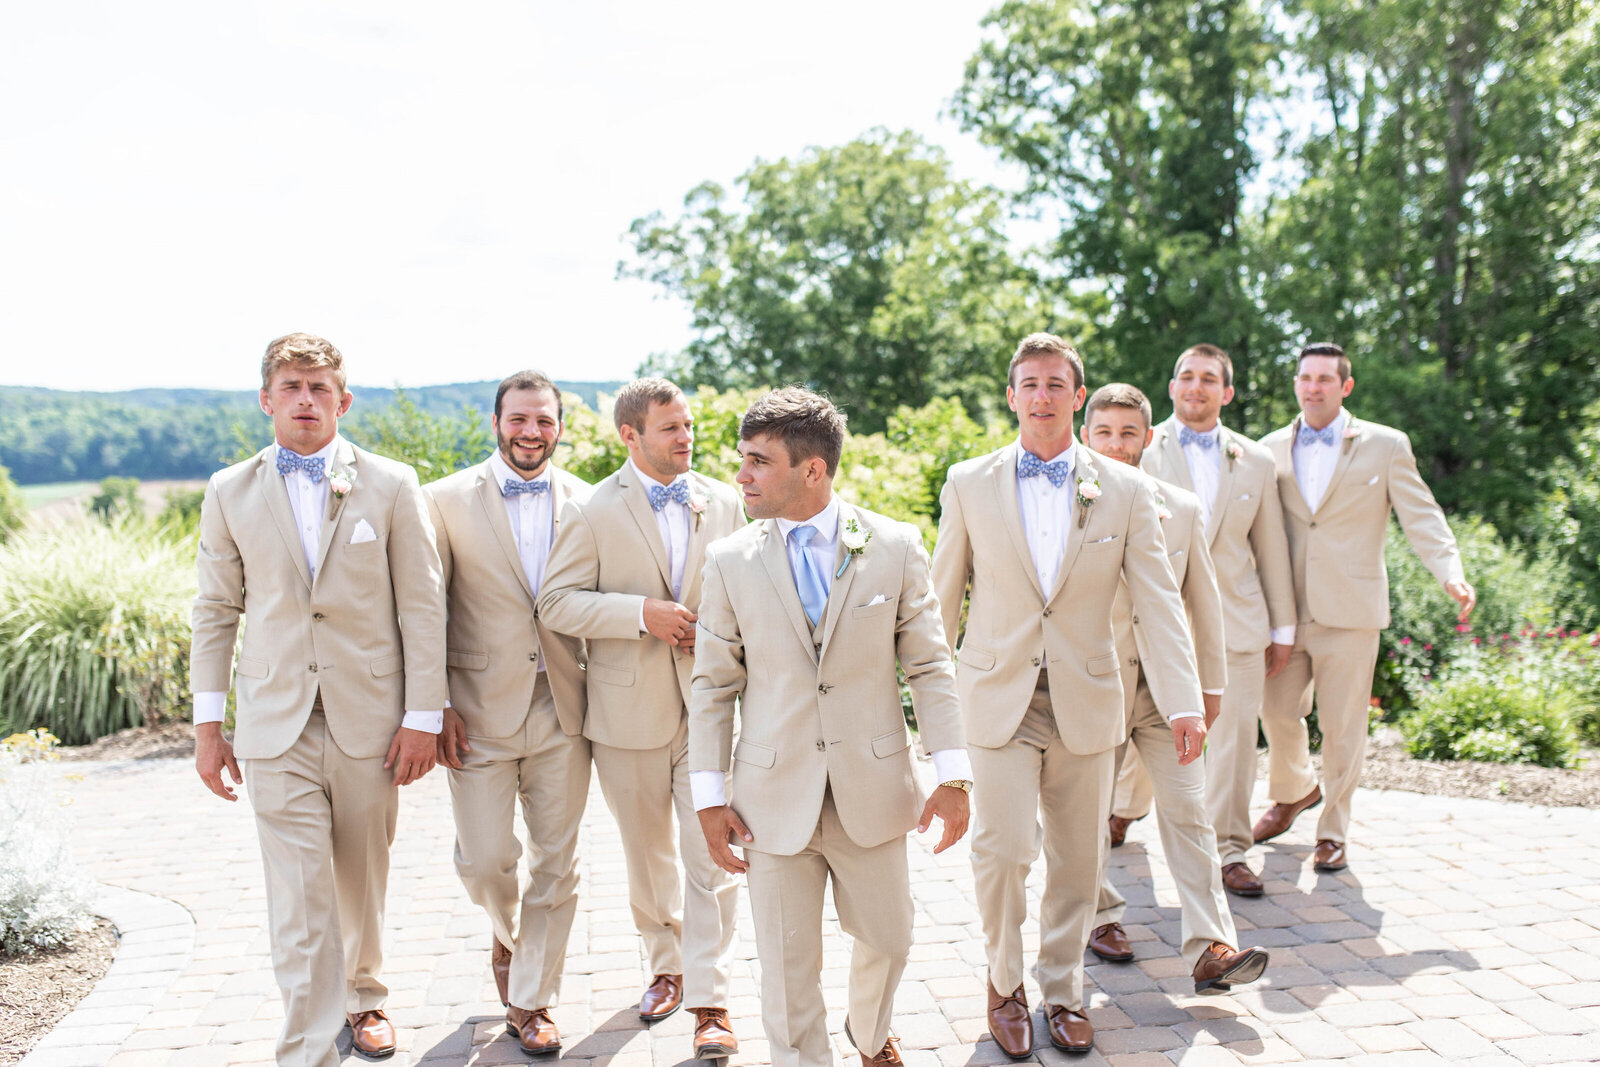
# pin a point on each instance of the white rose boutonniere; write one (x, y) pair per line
(1088, 493)
(1162, 511)
(1235, 451)
(855, 542)
(1349, 435)
(697, 508)
(341, 482)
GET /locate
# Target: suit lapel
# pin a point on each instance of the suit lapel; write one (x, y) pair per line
(839, 590)
(1347, 450)
(776, 559)
(494, 510)
(276, 493)
(1283, 456)
(694, 555)
(1174, 464)
(635, 496)
(1083, 468)
(1220, 502)
(1004, 477)
(344, 459)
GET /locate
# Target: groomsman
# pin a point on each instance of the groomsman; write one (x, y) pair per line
(1339, 476)
(624, 575)
(1237, 484)
(1045, 533)
(804, 617)
(1117, 425)
(328, 551)
(513, 729)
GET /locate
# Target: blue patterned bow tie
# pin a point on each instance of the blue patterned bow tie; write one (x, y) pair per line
(313, 466)
(1326, 435)
(1188, 437)
(1031, 466)
(660, 494)
(513, 486)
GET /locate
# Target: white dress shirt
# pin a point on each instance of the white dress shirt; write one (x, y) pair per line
(532, 517)
(308, 501)
(709, 788)
(1047, 518)
(1314, 463)
(673, 522)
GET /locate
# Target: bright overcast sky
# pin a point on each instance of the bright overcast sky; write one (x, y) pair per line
(440, 189)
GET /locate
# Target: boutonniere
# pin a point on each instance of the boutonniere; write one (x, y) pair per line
(1234, 450)
(697, 508)
(341, 482)
(1350, 433)
(1088, 493)
(1162, 511)
(855, 542)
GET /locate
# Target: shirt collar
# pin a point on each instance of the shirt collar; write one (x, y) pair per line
(650, 480)
(826, 521)
(502, 471)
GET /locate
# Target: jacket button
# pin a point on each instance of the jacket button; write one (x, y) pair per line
(1136, 620)
(822, 689)
(1047, 612)
(822, 746)
(1133, 661)
(313, 668)
(1313, 526)
(317, 616)
(1036, 661)
(533, 657)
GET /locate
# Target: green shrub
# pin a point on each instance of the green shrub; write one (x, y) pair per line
(94, 628)
(180, 513)
(118, 498)
(13, 511)
(1500, 705)
(44, 897)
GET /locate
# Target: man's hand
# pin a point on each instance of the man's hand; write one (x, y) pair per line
(719, 823)
(1212, 702)
(212, 752)
(671, 622)
(1462, 593)
(1277, 658)
(951, 806)
(1189, 738)
(411, 754)
(452, 740)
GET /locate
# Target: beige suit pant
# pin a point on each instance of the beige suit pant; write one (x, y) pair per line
(1333, 667)
(872, 895)
(325, 821)
(547, 772)
(1032, 776)
(686, 920)
(1186, 836)
(1231, 755)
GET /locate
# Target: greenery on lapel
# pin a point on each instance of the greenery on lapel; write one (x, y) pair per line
(855, 542)
(1088, 493)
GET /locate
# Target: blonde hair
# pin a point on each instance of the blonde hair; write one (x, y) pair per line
(302, 350)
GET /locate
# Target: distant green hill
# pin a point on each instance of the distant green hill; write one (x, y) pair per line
(59, 435)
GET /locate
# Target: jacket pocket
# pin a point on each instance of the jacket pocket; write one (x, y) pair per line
(867, 611)
(890, 743)
(1106, 664)
(252, 668)
(754, 754)
(1364, 570)
(382, 668)
(472, 661)
(979, 659)
(604, 672)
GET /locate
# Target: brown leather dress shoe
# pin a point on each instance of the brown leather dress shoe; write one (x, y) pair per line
(713, 1034)
(1329, 856)
(1119, 828)
(500, 964)
(1110, 943)
(372, 1034)
(1010, 1024)
(663, 997)
(1241, 881)
(888, 1056)
(1280, 817)
(1069, 1030)
(536, 1031)
(1221, 968)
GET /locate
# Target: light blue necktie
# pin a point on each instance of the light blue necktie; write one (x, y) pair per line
(1187, 437)
(808, 581)
(1326, 435)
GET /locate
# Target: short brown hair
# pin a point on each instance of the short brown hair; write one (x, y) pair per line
(528, 379)
(1119, 395)
(807, 424)
(1326, 348)
(1045, 344)
(1209, 352)
(302, 350)
(634, 400)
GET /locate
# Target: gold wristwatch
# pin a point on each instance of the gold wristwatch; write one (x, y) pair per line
(963, 784)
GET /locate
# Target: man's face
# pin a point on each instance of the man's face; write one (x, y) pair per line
(1319, 390)
(1044, 397)
(1117, 433)
(1198, 395)
(527, 429)
(665, 448)
(305, 404)
(773, 485)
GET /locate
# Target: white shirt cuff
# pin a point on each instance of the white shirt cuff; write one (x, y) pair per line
(1210, 693)
(210, 707)
(644, 630)
(429, 722)
(708, 789)
(951, 765)
(1282, 635)
(1185, 715)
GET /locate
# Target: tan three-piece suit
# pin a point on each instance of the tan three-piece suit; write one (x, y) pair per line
(608, 558)
(1042, 694)
(524, 725)
(325, 674)
(1342, 596)
(823, 773)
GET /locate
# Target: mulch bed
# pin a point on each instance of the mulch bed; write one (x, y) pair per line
(38, 991)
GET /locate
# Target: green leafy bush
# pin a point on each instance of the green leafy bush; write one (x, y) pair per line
(94, 628)
(1495, 718)
(12, 510)
(44, 897)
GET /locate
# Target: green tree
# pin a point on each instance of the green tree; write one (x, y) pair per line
(865, 270)
(117, 498)
(436, 445)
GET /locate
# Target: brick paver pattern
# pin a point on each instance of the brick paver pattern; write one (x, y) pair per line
(1465, 932)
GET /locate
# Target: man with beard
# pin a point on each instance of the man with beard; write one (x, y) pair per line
(624, 575)
(513, 729)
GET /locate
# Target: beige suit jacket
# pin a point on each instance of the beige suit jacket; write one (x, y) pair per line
(606, 560)
(1014, 627)
(1245, 533)
(1184, 535)
(1337, 553)
(494, 637)
(820, 710)
(369, 632)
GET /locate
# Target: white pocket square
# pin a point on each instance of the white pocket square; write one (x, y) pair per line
(1373, 480)
(363, 533)
(1244, 496)
(1176, 552)
(1103, 540)
(879, 599)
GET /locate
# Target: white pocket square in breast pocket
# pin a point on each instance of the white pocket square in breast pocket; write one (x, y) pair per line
(363, 533)
(1244, 496)
(1103, 540)
(879, 599)
(1176, 552)
(1373, 480)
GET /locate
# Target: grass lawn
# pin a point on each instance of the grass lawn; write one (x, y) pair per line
(37, 496)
